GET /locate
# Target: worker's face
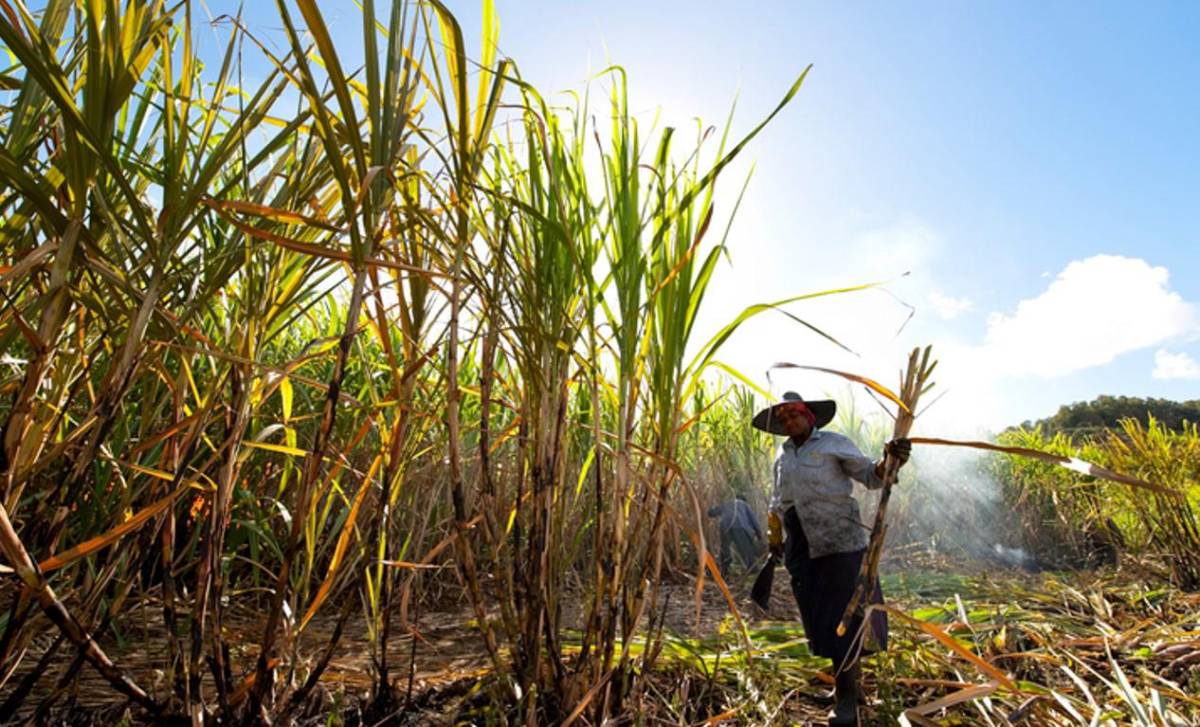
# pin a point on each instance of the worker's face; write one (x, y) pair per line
(793, 421)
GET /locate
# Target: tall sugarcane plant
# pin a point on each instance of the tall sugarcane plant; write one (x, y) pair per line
(283, 346)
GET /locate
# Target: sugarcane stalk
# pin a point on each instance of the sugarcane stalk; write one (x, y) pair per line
(31, 576)
(913, 383)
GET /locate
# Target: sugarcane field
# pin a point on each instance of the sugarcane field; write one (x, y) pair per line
(419, 362)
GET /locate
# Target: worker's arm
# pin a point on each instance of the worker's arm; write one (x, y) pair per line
(754, 523)
(855, 464)
(774, 515)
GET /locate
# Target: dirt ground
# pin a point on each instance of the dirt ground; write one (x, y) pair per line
(443, 649)
(433, 667)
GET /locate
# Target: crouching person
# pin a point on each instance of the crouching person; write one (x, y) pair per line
(739, 531)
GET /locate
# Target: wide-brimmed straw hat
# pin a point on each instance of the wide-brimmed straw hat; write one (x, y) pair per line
(768, 421)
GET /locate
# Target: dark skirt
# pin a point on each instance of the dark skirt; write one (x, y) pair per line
(823, 587)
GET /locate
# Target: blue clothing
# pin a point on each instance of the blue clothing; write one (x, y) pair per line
(739, 531)
(736, 515)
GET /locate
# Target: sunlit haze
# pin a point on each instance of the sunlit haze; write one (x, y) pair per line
(1033, 169)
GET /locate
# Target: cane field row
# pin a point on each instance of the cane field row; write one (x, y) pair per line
(367, 390)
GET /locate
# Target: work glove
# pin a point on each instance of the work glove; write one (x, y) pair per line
(898, 449)
(775, 534)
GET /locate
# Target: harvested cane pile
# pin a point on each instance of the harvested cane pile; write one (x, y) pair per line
(1064, 649)
(1078, 649)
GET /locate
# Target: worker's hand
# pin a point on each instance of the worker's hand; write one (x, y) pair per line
(775, 534)
(898, 449)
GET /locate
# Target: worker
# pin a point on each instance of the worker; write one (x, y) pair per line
(739, 531)
(826, 539)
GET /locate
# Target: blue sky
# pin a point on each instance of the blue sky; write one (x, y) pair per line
(1034, 165)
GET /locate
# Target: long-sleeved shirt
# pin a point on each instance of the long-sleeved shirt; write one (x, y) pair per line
(736, 515)
(815, 479)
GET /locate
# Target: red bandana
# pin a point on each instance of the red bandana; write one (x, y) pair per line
(802, 409)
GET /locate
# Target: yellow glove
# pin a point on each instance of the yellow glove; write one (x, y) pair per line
(775, 534)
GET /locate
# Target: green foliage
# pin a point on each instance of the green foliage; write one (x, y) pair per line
(1109, 412)
(273, 363)
(1069, 520)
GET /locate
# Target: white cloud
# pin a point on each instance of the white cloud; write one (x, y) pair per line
(1081, 316)
(1169, 365)
(948, 307)
(1093, 311)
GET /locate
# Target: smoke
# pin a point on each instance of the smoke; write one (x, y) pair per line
(1016, 557)
(948, 501)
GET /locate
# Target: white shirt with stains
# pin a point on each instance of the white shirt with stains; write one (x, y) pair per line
(815, 478)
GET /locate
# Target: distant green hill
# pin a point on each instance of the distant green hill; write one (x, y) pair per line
(1084, 417)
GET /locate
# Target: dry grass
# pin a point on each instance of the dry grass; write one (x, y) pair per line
(1108, 646)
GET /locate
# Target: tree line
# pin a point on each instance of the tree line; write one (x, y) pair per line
(1107, 412)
